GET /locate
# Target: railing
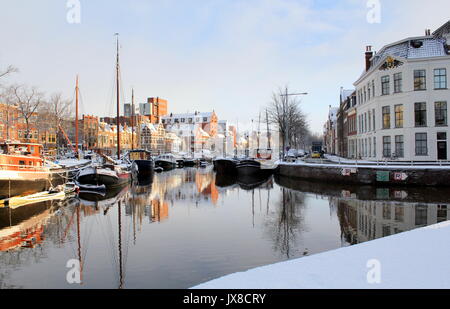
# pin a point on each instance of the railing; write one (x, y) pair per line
(31, 168)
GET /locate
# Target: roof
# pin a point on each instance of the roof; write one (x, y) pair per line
(345, 93)
(430, 47)
(444, 29)
(188, 115)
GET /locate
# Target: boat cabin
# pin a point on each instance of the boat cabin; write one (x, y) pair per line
(16, 156)
(135, 155)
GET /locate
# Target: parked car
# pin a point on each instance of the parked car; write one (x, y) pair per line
(316, 155)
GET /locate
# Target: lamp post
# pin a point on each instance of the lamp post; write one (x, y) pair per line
(286, 96)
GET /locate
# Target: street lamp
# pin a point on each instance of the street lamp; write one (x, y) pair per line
(286, 95)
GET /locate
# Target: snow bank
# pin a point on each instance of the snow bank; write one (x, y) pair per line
(416, 259)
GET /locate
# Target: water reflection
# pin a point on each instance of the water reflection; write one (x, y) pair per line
(188, 226)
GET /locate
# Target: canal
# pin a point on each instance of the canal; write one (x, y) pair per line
(189, 226)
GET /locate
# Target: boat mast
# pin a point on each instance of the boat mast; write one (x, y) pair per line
(76, 118)
(79, 243)
(259, 134)
(121, 282)
(132, 119)
(268, 130)
(118, 98)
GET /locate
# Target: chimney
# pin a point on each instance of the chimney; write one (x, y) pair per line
(427, 32)
(369, 55)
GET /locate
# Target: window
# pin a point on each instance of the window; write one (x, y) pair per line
(386, 146)
(442, 136)
(374, 146)
(399, 116)
(385, 87)
(365, 122)
(374, 123)
(205, 119)
(440, 109)
(400, 146)
(420, 111)
(398, 83)
(440, 79)
(386, 117)
(420, 82)
(373, 88)
(421, 144)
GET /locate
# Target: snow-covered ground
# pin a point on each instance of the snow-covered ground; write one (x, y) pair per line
(417, 259)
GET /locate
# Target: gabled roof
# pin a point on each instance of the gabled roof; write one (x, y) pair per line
(444, 29)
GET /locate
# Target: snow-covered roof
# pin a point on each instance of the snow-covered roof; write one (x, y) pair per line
(431, 47)
(333, 113)
(413, 48)
(149, 126)
(188, 115)
(345, 93)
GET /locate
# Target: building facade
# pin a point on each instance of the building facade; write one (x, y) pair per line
(402, 100)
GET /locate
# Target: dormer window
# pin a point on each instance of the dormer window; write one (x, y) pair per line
(417, 43)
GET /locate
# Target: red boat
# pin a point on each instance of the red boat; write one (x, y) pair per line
(23, 172)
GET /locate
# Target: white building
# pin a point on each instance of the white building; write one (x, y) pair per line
(402, 100)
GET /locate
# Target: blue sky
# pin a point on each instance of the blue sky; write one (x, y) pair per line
(226, 55)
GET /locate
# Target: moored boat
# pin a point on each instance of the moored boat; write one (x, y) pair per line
(226, 166)
(108, 175)
(166, 161)
(23, 170)
(252, 167)
(142, 162)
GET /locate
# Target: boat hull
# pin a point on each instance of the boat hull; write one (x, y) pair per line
(16, 183)
(166, 165)
(252, 168)
(225, 166)
(144, 167)
(97, 178)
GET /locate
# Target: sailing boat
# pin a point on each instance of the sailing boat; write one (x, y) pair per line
(113, 174)
(224, 165)
(259, 167)
(267, 153)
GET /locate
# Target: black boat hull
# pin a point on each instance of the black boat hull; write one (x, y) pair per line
(26, 186)
(166, 165)
(225, 167)
(144, 167)
(252, 168)
(102, 179)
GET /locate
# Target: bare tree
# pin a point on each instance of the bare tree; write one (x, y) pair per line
(10, 69)
(284, 111)
(27, 101)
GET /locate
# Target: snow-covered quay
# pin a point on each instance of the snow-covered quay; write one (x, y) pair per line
(417, 259)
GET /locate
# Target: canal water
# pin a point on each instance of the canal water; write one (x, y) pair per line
(190, 225)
